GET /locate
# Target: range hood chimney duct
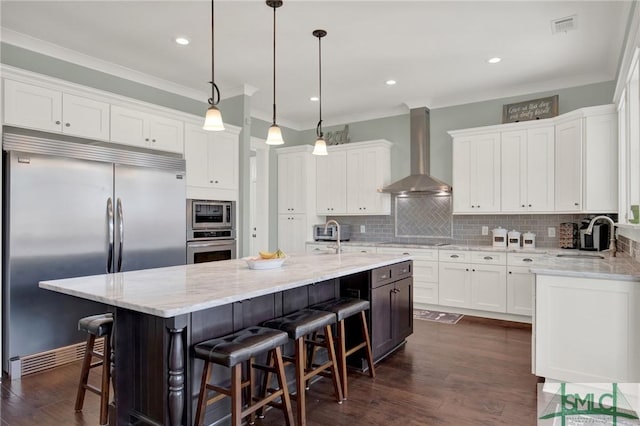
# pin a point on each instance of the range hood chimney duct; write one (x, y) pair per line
(419, 182)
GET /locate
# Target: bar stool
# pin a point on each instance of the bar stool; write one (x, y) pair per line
(233, 351)
(343, 308)
(298, 325)
(96, 326)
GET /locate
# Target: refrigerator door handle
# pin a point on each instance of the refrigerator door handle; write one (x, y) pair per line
(110, 218)
(121, 231)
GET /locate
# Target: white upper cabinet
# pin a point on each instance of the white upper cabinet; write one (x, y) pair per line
(296, 197)
(568, 185)
(587, 161)
(368, 169)
(212, 162)
(565, 164)
(41, 108)
(349, 177)
(142, 129)
(601, 163)
(528, 170)
(292, 182)
(331, 190)
(476, 173)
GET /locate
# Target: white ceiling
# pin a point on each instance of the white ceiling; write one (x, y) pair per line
(436, 50)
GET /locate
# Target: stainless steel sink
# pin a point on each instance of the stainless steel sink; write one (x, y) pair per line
(580, 256)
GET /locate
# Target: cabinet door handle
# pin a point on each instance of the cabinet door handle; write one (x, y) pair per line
(488, 258)
(454, 256)
(529, 205)
(146, 139)
(57, 121)
(153, 140)
(523, 205)
(509, 272)
(473, 270)
(67, 124)
(526, 259)
(467, 269)
(406, 254)
(575, 204)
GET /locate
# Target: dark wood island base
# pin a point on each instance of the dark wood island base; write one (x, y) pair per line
(155, 373)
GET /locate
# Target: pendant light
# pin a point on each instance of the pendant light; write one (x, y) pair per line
(213, 119)
(320, 148)
(274, 137)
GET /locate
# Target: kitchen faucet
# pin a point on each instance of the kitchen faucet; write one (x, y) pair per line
(338, 249)
(612, 240)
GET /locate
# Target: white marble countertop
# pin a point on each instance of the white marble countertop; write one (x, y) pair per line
(616, 268)
(167, 292)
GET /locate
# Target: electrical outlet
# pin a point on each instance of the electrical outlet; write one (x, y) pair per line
(551, 231)
(485, 230)
(362, 229)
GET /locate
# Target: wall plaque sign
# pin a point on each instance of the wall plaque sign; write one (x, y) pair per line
(535, 109)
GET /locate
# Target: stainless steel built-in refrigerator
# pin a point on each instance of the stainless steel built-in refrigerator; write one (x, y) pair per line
(74, 209)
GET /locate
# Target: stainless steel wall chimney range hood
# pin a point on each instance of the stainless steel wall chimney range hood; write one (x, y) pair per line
(419, 182)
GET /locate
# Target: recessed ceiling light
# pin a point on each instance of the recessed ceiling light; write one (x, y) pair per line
(314, 99)
(494, 60)
(183, 41)
(390, 82)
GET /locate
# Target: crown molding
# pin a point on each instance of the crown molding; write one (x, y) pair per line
(49, 49)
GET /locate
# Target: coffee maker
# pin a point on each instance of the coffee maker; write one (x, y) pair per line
(599, 238)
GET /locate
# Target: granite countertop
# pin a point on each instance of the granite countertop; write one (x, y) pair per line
(621, 268)
(176, 290)
(617, 268)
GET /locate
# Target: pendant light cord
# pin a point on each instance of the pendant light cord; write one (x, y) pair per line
(319, 127)
(274, 65)
(213, 100)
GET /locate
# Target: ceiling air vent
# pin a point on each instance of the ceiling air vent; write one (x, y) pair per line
(564, 25)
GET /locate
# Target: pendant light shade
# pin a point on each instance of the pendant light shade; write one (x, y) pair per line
(213, 119)
(274, 137)
(320, 147)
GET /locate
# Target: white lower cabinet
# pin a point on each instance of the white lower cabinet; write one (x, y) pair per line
(520, 282)
(587, 330)
(292, 233)
(425, 272)
(454, 288)
(473, 279)
(489, 288)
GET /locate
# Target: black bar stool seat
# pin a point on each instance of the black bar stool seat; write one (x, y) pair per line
(233, 351)
(298, 325)
(96, 326)
(343, 308)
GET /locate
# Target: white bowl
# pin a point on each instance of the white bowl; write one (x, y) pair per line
(259, 263)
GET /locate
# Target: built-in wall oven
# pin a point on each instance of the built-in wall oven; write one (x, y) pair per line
(211, 233)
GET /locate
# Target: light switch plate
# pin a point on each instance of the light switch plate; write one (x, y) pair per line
(551, 231)
(485, 230)
(362, 229)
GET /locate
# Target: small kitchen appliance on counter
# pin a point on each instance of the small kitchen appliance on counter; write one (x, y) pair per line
(599, 238)
(529, 240)
(514, 239)
(499, 237)
(568, 235)
(319, 233)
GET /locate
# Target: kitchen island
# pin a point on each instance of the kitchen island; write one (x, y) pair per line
(161, 313)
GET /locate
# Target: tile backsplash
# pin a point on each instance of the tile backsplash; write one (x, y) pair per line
(423, 218)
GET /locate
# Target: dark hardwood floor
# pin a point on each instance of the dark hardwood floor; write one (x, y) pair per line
(476, 372)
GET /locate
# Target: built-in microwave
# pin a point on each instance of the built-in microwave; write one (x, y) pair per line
(207, 214)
